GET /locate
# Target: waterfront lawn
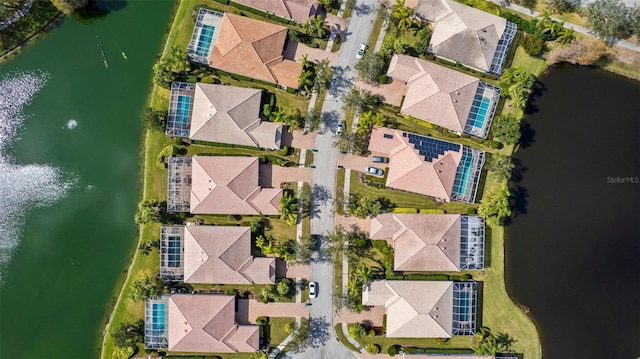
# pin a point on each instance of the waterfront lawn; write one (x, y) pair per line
(458, 342)
(499, 312)
(404, 199)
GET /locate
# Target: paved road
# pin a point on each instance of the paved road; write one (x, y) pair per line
(324, 344)
(523, 10)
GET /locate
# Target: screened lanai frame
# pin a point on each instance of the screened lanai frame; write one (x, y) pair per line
(206, 19)
(172, 253)
(464, 308)
(179, 184)
(503, 47)
(483, 92)
(465, 185)
(178, 122)
(471, 242)
(156, 333)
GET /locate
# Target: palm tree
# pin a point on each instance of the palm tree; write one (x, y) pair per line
(305, 80)
(354, 286)
(402, 15)
(280, 115)
(566, 36)
(369, 119)
(315, 26)
(363, 274)
(495, 205)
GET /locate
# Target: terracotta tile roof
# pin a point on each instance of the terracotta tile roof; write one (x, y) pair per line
(421, 242)
(222, 255)
(253, 48)
(434, 93)
(297, 10)
(206, 323)
(415, 309)
(409, 171)
(230, 114)
(462, 33)
(229, 185)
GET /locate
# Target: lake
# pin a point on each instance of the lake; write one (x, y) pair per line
(70, 142)
(573, 249)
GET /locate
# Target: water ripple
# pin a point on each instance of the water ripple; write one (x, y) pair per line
(23, 187)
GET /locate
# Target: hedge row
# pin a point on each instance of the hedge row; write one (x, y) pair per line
(418, 210)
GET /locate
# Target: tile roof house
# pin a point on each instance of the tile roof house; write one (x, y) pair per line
(206, 323)
(428, 166)
(442, 96)
(222, 255)
(254, 48)
(415, 309)
(470, 36)
(296, 10)
(431, 242)
(230, 114)
(229, 185)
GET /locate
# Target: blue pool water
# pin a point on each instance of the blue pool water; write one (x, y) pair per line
(173, 252)
(204, 42)
(464, 306)
(182, 111)
(479, 111)
(463, 175)
(159, 320)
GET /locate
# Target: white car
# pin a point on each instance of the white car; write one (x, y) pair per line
(361, 50)
(340, 128)
(313, 290)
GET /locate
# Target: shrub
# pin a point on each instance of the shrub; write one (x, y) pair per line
(373, 348)
(383, 79)
(313, 45)
(472, 211)
(262, 320)
(405, 210)
(154, 120)
(534, 46)
(432, 211)
(229, 291)
(164, 154)
(410, 350)
(192, 79)
(283, 151)
(290, 327)
(290, 90)
(392, 350)
(496, 144)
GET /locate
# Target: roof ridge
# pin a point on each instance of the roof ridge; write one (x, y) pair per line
(238, 105)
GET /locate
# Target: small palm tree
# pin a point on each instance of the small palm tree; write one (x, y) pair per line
(566, 36)
(305, 80)
(363, 274)
(316, 26)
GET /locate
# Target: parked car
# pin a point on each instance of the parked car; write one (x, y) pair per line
(361, 50)
(313, 290)
(340, 129)
(374, 170)
(378, 159)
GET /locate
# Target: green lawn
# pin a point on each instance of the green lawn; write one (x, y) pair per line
(342, 338)
(377, 27)
(278, 334)
(404, 199)
(453, 343)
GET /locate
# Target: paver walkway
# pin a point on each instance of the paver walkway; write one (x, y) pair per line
(250, 309)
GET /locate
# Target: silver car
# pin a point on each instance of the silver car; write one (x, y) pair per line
(374, 171)
(378, 159)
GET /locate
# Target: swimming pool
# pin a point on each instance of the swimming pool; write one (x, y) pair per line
(173, 252)
(204, 41)
(482, 109)
(182, 111)
(463, 303)
(462, 181)
(158, 317)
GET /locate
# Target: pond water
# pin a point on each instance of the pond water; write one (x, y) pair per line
(573, 248)
(70, 140)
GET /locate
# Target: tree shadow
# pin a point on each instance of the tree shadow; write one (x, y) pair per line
(319, 331)
(537, 91)
(330, 120)
(518, 203)
(321, 194)
(96, 9)
(363, 9)
(518, 171)
(340, 83)
(527, 134)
